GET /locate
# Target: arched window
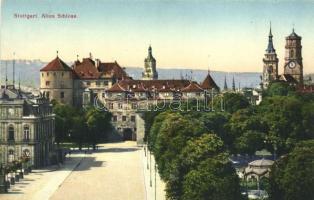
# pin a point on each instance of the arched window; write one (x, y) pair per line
(11, 155)
(11, 133)
(26, 132)
(291, 53)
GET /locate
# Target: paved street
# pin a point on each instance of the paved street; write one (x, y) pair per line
(114, 172)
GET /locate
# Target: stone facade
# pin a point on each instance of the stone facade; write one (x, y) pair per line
(293, 66)
(27, 127)
(107, 83)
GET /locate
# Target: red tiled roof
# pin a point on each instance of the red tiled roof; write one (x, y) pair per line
(56, 65)
(193, 87)
(86, 69)
(112, 69)
(149, 85)
(306, 89)
(209, 83)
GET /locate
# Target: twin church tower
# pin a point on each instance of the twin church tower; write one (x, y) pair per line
(293, 67)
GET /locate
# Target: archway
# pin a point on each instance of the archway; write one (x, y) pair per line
(127, 134)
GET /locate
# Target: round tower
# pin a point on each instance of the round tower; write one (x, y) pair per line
(56, 81)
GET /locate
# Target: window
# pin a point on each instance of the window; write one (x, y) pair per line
(120, 106)
(87, 83)
(54, 73)
(105, 83)
(62, 95)
(47, 73)
(26, 153)
(42, 74)
(11, 133)
(124, 118)
(11, 155)
(47, 83)
(103, 95)
(110, 105)
(133, 118)
(97, 83)
(26, 132)
(62, 74)
(134, 106)
(114, 118)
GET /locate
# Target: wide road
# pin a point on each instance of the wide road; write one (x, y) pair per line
(114, 172)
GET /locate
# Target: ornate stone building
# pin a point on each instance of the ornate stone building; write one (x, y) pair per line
(293, 59)
(26, 127)
(123, 96)
(270, 69)
(293, 66)
(150, 72)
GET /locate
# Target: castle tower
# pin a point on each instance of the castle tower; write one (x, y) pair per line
(293, 58)
(56, 81)
(270, 60)
(150, 72)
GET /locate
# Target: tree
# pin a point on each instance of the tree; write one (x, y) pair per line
(249, 142)
(212, 180)
(208, 174)
(231, 102)
(80, 130)
(64, 121)
(291, 176)
(282, 116)
(280, 89)
(98, 123)
(173, 135)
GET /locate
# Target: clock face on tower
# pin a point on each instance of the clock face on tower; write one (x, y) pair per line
(292, 64)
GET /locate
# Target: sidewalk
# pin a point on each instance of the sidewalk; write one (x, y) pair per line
(155, 187)
(42, 183)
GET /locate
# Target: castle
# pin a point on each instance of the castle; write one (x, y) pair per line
(293, 66)
(89, 80)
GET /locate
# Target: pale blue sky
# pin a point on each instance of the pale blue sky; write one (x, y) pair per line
(182, 33)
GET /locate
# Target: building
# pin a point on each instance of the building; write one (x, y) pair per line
(79, 84)
(270, 69)
(27, 127)
(150, 72)
(293, 66)
(123, 96)
(293, 57)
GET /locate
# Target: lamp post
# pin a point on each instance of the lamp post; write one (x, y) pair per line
(155, 181)
(150, 170)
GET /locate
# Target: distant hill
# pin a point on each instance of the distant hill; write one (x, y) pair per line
(29, 73)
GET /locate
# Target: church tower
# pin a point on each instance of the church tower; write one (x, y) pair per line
(270, 60)
(293, 58)
(150, 72)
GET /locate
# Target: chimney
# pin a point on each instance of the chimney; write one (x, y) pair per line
(97, 62)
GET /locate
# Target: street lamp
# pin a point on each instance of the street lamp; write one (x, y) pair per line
(150, 170)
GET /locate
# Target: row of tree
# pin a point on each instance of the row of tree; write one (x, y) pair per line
(81, 126)
(192, 148)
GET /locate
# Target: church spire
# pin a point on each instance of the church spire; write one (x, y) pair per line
(270, 47)
(225, 84)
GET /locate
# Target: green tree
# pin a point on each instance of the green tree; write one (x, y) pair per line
(64, 121)
(209, 174)
(280, 89)
(291, 176)
(99, 125)
(249, 142)
(231, 102)
(174, 132)
(80, 130)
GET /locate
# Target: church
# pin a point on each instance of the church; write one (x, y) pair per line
(90, 81)
(293, 66)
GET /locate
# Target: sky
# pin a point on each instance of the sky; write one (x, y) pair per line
(219, 35)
